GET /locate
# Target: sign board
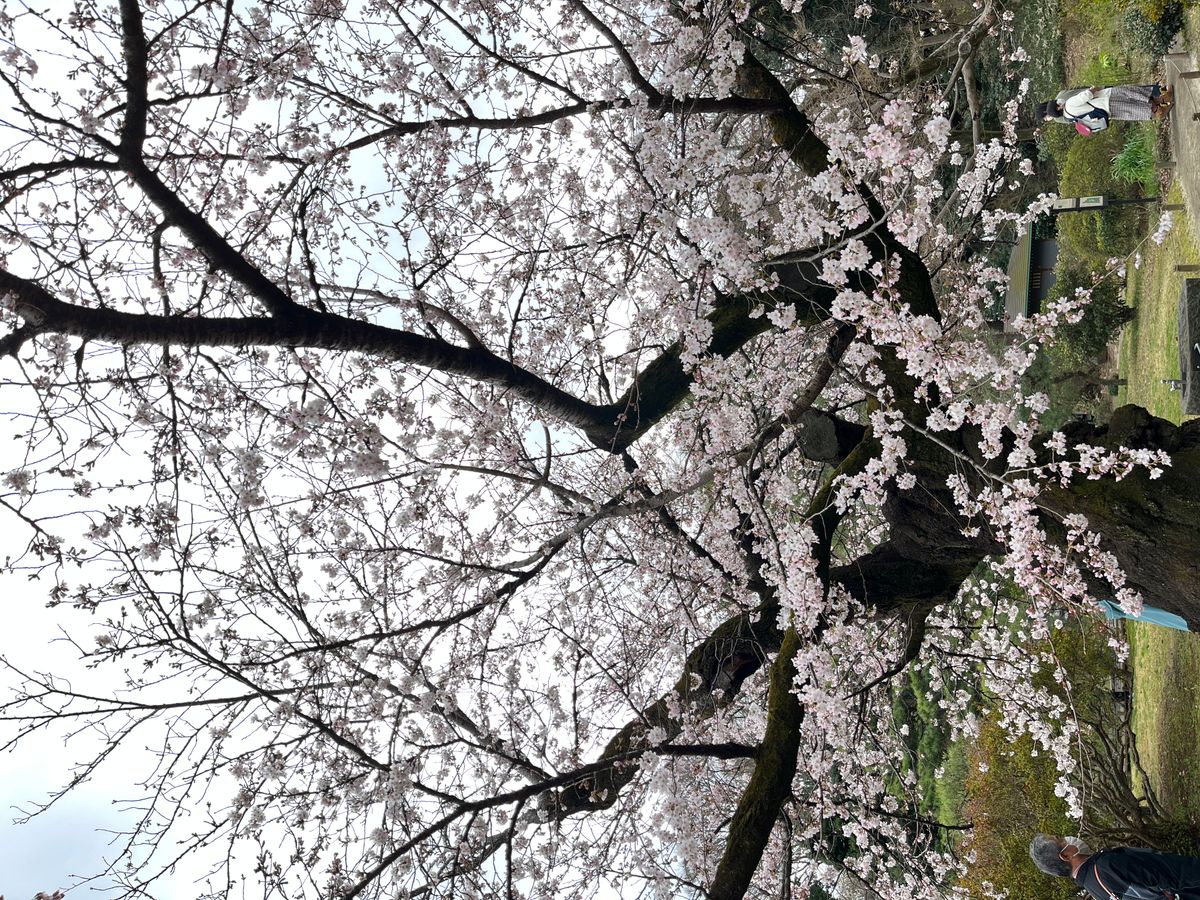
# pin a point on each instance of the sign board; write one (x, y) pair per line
(1063, 204)
(1095, 202)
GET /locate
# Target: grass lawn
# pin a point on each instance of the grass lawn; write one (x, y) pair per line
(1166, 663)
(1149, 347)
(1166, 714)
(1191, 29)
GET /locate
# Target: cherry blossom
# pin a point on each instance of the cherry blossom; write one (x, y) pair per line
(512, 449)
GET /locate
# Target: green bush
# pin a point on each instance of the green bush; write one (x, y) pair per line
(1102, 318)
(951, 787)
(927, 738)
(1156, 10)
(939, 763)
(1153, 24)
(1054, 143)
(1120, 229)
(1050, 374)
(1088, 239)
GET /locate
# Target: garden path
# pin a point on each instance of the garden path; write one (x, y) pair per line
(1185, 128)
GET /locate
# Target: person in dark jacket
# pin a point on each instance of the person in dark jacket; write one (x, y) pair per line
(1124, 873)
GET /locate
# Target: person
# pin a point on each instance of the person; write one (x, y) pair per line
(1122, 102)
(1124, 873)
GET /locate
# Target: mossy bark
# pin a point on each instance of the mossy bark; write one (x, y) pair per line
(770, 783)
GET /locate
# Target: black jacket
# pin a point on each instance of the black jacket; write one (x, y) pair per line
(1129, 873)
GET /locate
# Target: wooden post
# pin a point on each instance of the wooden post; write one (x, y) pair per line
(1189, 75)
(1187, 268)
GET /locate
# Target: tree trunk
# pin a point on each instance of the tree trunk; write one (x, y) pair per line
(1151, 526)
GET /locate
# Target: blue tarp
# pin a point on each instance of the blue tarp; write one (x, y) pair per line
(1151, 614)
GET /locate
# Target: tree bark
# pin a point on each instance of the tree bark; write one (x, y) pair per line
(770, 783)
(1152, 526)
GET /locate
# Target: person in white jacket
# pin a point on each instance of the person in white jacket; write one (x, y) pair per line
(1122, 102)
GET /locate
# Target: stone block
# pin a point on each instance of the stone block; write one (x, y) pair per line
(1189, 346)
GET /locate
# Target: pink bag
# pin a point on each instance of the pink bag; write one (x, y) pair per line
(1082, 129)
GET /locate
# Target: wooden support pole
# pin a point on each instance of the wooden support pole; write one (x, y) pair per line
(1187, 268)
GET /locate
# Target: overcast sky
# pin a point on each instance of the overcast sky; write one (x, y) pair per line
(68, 840)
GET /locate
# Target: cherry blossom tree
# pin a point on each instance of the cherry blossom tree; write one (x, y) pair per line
(509, 448)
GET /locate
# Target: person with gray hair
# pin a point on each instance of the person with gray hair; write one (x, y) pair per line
(1123, 873)
(1046, 853)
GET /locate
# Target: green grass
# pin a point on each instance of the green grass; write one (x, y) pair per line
(951, 787)
(1118, 64)
(1149, 346)
(1166, 715)
(1191, 29)
(1165, 663)
(1101, 53)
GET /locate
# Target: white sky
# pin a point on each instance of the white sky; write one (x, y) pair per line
(72, 840)
(69, 839)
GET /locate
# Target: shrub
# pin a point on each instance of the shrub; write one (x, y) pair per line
(1087, 239)
(1102, 318)
(951, 787)
(927, 739)
(1119, 229)
(1154, 35)
(1054, 143)
(1135, 163)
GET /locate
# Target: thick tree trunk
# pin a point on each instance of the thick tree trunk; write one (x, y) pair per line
(1151, 526)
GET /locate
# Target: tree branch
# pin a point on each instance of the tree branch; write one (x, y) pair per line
(770, 784)
(715, 670)
(133, 44)
(631, 68)
(656, 390)
(43, 312)
(968, 42)
(678, 105)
